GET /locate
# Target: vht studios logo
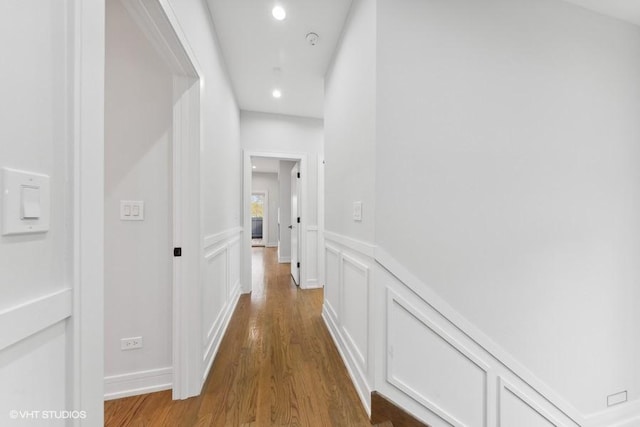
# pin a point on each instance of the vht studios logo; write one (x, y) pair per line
(47, 415)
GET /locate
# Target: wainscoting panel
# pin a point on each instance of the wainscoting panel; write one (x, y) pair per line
(517, 409)
(432, 364)
(347, 310)
(220, 290)
(399, 338)
(354, 310)
(332, 287)
(450, 381)
(234, 266)
(312, 259)
(214, 290)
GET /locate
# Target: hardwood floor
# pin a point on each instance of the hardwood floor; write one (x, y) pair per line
(277, 366)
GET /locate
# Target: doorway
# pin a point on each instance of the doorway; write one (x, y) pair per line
(285, 227)
(150, 338)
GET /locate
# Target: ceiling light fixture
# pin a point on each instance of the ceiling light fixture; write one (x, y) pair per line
(279, 13)
(254, 166)
(277, 93)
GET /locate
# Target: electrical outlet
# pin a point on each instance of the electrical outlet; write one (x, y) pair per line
(130, 343)
(617, 398)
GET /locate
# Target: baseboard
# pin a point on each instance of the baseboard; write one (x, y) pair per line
(383, 410)
(357, 378)
(271, 245)
(312, 284)
(284, 259)
(136, 383)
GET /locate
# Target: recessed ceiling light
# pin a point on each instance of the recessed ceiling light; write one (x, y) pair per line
(277, 93)
(279, 13)
(254, 166)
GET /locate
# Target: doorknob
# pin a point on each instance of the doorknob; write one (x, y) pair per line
(291, 227)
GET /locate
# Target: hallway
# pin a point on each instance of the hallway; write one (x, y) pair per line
(277, 365)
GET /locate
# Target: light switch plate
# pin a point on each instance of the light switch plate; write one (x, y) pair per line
(132, 210)
(26, 202)
(357, 211)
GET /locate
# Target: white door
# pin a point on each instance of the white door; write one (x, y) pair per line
(295, 224)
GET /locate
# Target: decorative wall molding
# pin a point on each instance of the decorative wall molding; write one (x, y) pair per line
(353, 349)
(358, 378)
(135, 383)
(225, 245)
(361, 247)
(474, 361)
(504, 388)
(503, 378)
(223, 236)
(26, 319)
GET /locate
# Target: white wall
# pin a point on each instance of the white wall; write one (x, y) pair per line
(275, 133)
(284, 193)
(509, 133)
(350, 101)
(350, 119)
(138, 257)
(221, 155)
(499, 288)
(34, 137)
(268, 182)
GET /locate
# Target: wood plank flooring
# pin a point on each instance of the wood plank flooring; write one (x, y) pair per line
(277, 366)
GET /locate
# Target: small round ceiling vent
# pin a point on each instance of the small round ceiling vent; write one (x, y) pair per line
(313, 38)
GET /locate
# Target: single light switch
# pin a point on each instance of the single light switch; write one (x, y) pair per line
(357, 211)
(26, 204)
(127, 210)
(30, 202)
(136, 210)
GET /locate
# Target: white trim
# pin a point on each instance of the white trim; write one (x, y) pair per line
(24, 320)
(86, 108)
(504, 385)
(623, 415)
(284, 259)
(136, 383)
(360, 246)
(313, 284)
(214, 239)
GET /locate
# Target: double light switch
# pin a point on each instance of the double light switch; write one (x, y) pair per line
(131, 210)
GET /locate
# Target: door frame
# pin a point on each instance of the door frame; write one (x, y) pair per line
(158, 22)
(85, 375)
(298, 226)
(246, 211)
(265, 215)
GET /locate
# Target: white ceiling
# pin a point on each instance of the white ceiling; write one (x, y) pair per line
(265, 164)
(626, 10)
(254, 43)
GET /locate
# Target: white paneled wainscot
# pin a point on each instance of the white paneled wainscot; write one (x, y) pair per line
(399, 338)
(347, 307)
(220, 290)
